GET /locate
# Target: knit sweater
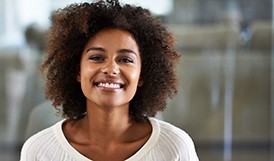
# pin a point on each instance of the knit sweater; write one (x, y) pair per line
(166, 143)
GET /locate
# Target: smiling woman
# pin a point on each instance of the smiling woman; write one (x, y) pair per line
(111, 68)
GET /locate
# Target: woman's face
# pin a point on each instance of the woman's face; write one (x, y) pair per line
(110, 68)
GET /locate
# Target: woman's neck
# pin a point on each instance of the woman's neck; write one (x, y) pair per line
(109, 124)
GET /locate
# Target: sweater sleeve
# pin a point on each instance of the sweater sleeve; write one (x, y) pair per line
(36, 146)
(178, 143)
(188, 148)
(30, 147)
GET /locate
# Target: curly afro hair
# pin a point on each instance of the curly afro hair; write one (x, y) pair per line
(71, 29)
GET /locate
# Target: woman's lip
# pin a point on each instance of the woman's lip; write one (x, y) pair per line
(109, 88)
(109, 83)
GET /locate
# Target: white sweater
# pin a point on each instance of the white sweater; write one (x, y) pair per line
(166, 143)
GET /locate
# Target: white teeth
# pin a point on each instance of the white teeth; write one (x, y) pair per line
(109, 85)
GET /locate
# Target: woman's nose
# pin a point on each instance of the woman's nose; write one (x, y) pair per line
(110, 68)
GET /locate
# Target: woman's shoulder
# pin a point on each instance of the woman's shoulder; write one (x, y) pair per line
(40, 136)
(40, 141)
(170, 131)
(175, 139)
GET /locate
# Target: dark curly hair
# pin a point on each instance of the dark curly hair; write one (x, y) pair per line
(71, 29)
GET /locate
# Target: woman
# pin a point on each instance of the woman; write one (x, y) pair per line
(111, 68)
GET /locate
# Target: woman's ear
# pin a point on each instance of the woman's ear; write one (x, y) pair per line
(140, 82)
(78, 78)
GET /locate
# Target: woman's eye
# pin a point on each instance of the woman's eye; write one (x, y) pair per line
(96, 58)
(126, 60)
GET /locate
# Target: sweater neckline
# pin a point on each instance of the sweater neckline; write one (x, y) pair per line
(137, 156)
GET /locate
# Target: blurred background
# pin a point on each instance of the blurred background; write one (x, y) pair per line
(225, 100)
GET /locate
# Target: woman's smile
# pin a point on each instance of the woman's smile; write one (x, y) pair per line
(109, 85)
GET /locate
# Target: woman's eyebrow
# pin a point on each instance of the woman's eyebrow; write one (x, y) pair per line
(127, 51)
(96, 49)
(119, 51)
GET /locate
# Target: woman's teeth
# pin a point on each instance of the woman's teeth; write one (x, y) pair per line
(109, 85)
